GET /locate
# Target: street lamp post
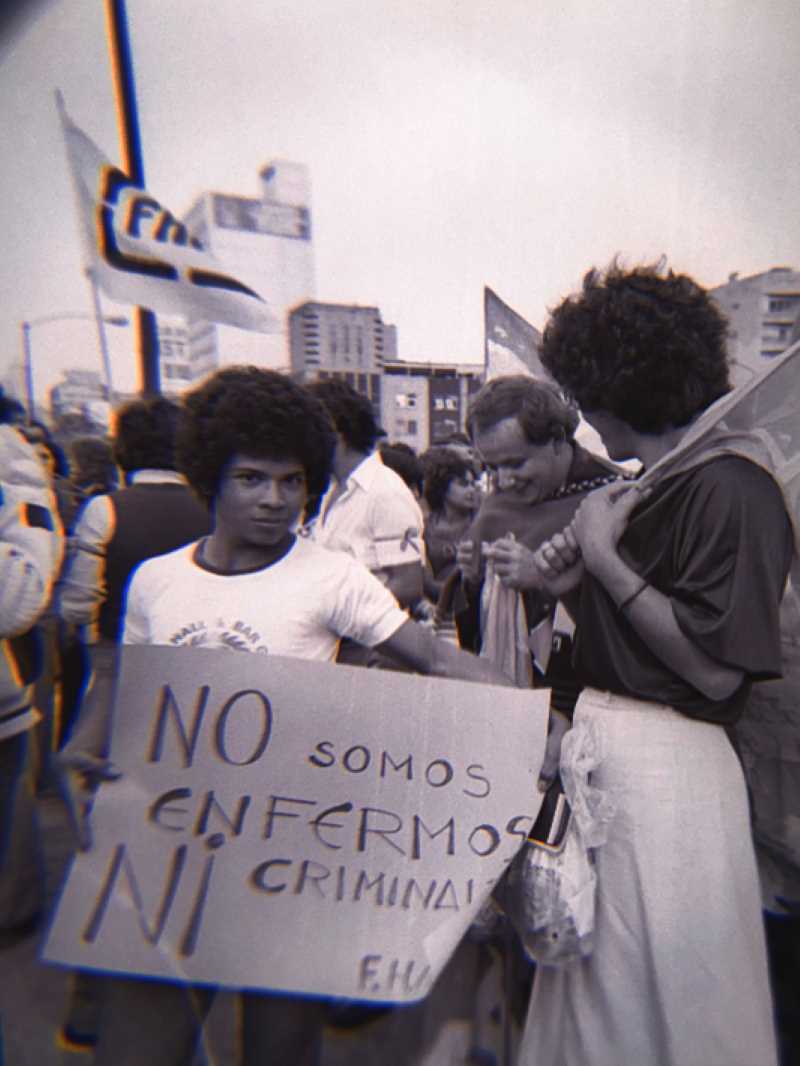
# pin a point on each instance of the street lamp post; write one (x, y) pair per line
(61, 316)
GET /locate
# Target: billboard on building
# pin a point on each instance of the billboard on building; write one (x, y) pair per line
(444, 399)
(256, 216)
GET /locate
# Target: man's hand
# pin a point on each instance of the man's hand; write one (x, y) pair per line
(559, 563)
(514, 564)
(79, 774)
(558, 725)
(468, 561)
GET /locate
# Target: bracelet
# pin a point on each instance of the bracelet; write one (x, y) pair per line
(629, 599)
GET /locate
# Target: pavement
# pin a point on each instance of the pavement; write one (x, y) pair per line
(462, 1022)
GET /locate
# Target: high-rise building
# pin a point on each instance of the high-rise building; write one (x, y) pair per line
(341, 340)
(761, 310)
(424, 403)
(417, 403)
(339, 337)
(264, 242)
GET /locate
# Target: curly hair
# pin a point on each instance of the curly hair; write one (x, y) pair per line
(351, 413)
(441, 467)
(244, 409)
(144, 436)
(647, 347)
(542, 412)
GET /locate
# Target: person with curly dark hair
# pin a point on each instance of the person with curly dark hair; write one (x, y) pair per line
(253, 444)
(451, 492)
(368, 511)
(674, 583)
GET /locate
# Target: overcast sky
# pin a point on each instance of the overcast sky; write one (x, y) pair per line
(452, 144)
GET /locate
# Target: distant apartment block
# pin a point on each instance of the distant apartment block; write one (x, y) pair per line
(424, 403)
(762, 310)
(341, 340)
(345, 338)
(416, 403)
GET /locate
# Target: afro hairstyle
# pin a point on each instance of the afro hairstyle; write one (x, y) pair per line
(351, 413)
(647, 347)
(250, 411)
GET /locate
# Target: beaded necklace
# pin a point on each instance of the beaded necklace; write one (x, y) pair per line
(587, 485)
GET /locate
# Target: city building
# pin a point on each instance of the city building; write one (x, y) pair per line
(762, 310)
(80, 393)
(416, 403)
(424, 403)
(181, 362)
(341, 340)
(265, 242)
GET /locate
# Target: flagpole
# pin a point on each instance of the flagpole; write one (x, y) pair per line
(122, 67)
(102, 339)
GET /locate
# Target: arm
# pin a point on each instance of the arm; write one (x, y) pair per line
(83, 761)
(416, 647)
(82, 589)
(396, 529)
(598, 526)
(403, 581)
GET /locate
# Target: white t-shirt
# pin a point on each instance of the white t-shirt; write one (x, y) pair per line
(299, 606)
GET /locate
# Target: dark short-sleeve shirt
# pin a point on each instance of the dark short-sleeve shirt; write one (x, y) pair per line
(717, 541)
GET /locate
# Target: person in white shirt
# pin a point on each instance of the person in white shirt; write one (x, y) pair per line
(369, 511)
(254, 445)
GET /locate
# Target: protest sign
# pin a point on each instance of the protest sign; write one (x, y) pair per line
(296, 825)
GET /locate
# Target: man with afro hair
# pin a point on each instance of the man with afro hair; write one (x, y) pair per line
(254, 446)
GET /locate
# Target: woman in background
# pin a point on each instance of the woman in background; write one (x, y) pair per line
(452, 495)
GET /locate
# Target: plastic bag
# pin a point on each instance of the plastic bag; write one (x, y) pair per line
(549, 892)
(553, 894)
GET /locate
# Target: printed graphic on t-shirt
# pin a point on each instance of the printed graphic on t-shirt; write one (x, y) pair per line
(219, 633)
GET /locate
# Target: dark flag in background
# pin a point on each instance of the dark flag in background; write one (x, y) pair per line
(511, 343)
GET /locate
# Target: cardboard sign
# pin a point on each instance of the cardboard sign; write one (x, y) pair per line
(295, 825)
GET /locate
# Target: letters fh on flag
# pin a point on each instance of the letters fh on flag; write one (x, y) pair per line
(140, 253)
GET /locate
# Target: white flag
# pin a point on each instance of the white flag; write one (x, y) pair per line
(140, 253)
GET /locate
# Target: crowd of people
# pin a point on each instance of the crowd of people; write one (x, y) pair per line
(645, 587)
